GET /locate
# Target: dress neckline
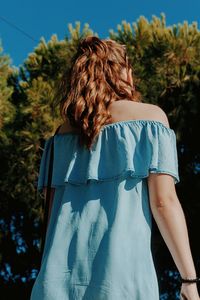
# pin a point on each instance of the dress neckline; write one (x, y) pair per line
(124, 122)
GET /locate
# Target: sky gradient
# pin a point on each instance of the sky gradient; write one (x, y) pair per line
(44, 18)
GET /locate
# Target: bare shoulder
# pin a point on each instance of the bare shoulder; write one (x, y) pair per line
(157, 113)
(126, 109)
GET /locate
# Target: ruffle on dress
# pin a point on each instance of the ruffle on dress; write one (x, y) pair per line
(126, 148)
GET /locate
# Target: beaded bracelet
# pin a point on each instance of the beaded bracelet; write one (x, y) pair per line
(190, 280)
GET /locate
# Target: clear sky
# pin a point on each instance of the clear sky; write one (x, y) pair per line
(46, 17)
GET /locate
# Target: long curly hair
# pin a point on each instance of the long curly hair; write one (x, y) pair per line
(94, 81)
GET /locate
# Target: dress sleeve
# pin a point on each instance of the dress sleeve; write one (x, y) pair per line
(43, 169)
(164, 158)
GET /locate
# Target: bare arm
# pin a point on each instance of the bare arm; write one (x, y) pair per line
(169, 216)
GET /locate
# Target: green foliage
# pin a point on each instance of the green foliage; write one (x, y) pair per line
(165, 61)
(6, 109)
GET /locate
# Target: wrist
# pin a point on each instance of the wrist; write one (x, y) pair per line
(190, 279)
(189, 275)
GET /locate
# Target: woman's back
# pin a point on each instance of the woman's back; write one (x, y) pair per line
(98, 243)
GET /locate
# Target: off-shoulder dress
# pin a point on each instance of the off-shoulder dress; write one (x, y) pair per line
(98, 242)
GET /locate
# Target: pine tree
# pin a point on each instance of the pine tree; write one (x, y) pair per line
(6, 108)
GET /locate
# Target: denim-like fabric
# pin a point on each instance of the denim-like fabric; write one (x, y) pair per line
(98, 243)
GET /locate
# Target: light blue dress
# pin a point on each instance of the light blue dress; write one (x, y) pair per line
(98, 243)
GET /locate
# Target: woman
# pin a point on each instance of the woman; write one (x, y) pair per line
(115, 166)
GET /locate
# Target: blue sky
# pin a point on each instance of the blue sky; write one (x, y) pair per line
(42, 18)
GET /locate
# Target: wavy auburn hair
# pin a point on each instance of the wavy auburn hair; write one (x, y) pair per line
(94, 81)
